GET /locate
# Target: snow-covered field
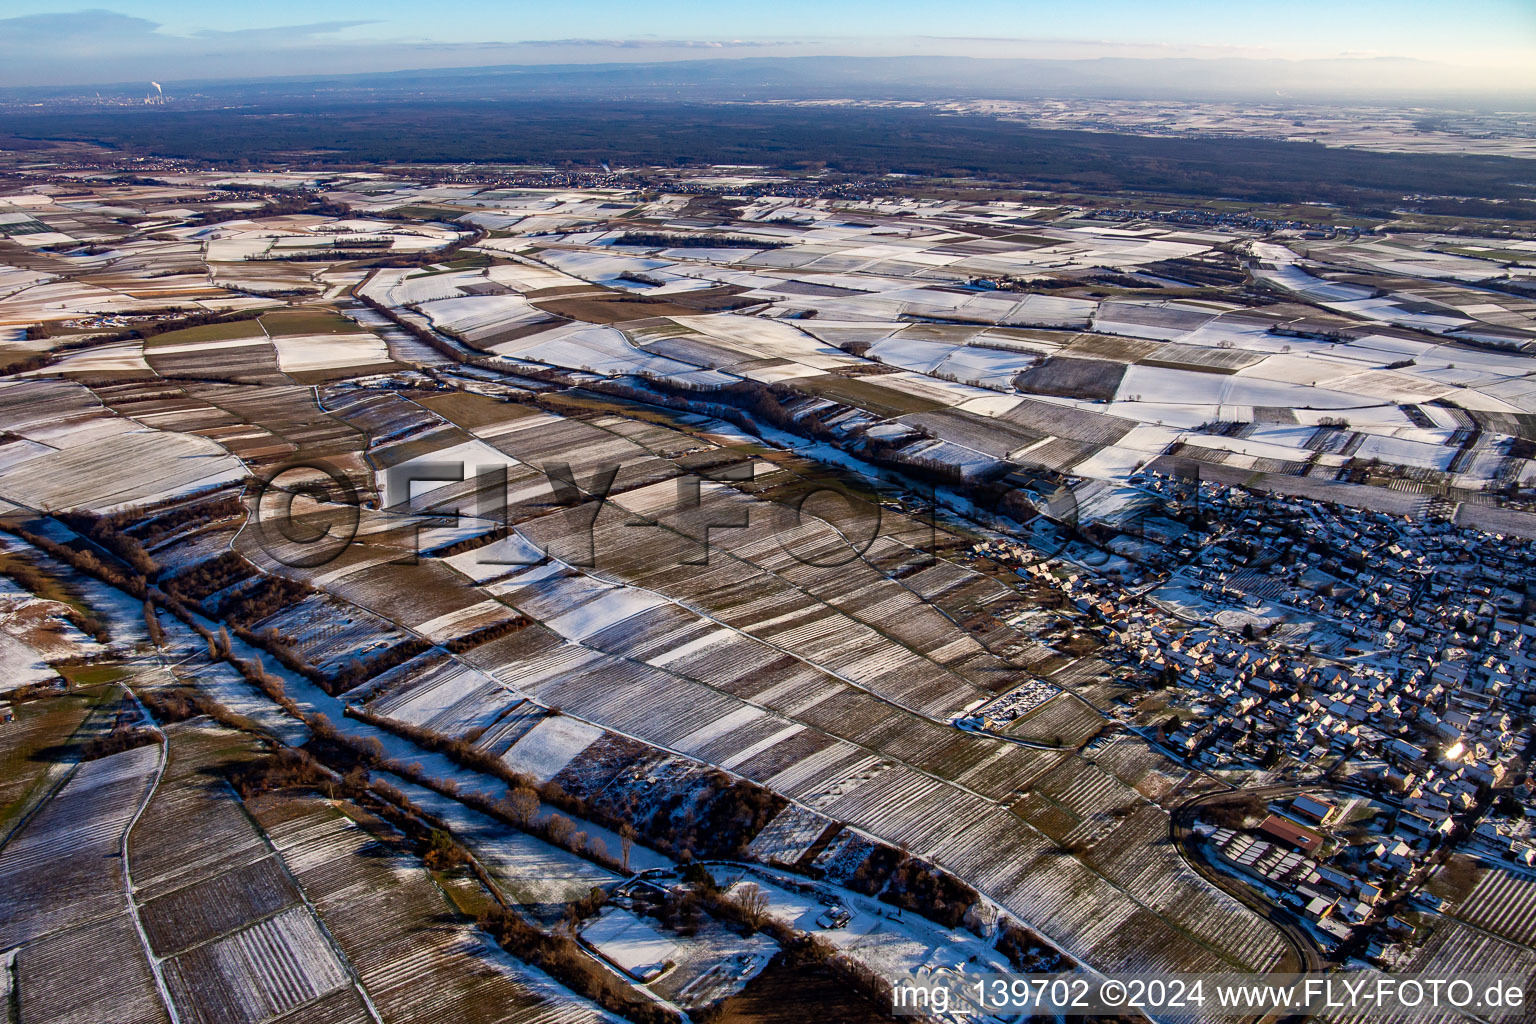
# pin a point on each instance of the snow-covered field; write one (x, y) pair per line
(550, 746)
(306, 352)
(632, 943)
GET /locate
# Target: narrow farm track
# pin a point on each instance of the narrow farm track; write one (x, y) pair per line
(133, 907)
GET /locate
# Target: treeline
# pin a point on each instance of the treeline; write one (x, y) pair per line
(639, 278)
(31, 577)
(485, 634)
(555, 951)
(284, 205)
(150, 528)
(1027, 951)
(196, 584)
(715, 817)
(244, 604)
(660, 240)
(864, 142)
(344, 677)
(747, 404)
(85, 561)
(338, 764)
(911, 884)
(283, 768)
(28, 363)
(356, 670)
(1203, 272)
(320, 256)
(424, 335)
(752, 404)
(689, 819)
(178, 704)
(154, 328)
(923, 889)
(108, 532)
(267, 596)
(428, 257)
(117, 741)
(463, 355)
(520, 806)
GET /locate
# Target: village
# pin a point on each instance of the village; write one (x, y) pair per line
(1373, 669)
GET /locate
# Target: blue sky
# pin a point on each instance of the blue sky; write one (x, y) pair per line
(56, 43)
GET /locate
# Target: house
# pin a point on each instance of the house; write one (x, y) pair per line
(1397, 855)
(1318, 908)
(834, 917)
(1287, 831)
(1418, 824)
(1314, 809)
(1354, 911)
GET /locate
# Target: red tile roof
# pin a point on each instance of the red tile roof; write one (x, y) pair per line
(1288, 831)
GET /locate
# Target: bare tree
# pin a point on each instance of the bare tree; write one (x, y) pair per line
(560, 829)
(626, 842)
(355, 782)
(156, 634)
(753, 902)
(523, 806)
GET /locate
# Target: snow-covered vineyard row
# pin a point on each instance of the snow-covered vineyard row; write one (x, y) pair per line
(62, 870)
(1454, 946)
(142, 888)
(930, 816)
(384, 913)
(1504, 903)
